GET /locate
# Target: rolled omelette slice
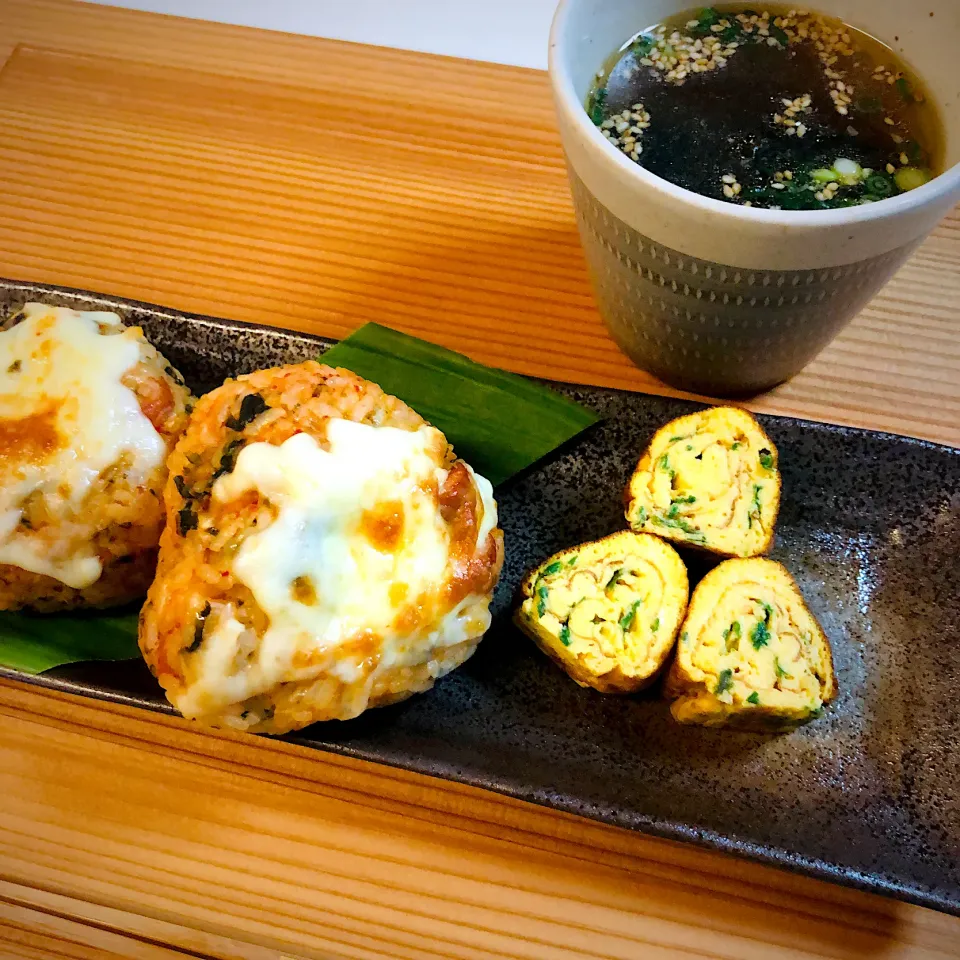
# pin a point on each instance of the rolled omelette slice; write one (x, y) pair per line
(607, 612)
(751, 654)
(708, 480)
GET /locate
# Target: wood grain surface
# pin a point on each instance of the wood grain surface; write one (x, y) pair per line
(219, 838)
(317, 185)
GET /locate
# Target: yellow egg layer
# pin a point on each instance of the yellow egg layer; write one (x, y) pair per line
(607, 612)
(709, 480)
(750, 653)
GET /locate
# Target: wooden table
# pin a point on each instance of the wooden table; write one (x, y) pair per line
(317, 185)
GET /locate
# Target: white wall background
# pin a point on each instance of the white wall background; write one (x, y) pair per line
(504, 31)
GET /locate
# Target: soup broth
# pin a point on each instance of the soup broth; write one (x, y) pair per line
(776, 108)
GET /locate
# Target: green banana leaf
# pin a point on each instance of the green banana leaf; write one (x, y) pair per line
(32, 643)
(498, 422)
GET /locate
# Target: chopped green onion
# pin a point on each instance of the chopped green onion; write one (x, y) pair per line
(706, 19)
(596, 109)
(724, 682)
(626, 621)
(909, 178)
(904, 89)
(541, 600)
(612, 582)
(848, 172)
(643, 45)
(879, 186)
(760, 636)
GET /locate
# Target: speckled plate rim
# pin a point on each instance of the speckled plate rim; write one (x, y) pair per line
(324, 343)
(658, 827)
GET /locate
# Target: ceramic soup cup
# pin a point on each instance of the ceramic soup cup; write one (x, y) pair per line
(716, 297)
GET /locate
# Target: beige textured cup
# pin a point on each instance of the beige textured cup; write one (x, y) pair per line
(719, 298)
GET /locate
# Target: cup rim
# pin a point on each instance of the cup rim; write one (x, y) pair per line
(618, 164)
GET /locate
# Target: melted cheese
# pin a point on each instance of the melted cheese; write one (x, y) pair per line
(332, 589)
(64, 418)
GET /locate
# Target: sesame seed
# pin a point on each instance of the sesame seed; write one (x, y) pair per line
(728, 178)
(904, 160)
(787, 174)
(890, 122)
(728, 191)
(779, 186)
(891, 168)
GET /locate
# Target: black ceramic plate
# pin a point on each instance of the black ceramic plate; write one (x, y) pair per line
(869, 526)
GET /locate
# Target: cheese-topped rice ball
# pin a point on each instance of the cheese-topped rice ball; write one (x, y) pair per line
(325, 553)
(89, 411)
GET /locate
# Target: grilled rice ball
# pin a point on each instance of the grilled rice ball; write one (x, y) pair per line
(607, 612)
(708, 480)
(751, 655)
(89, 411)
(325, 553)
